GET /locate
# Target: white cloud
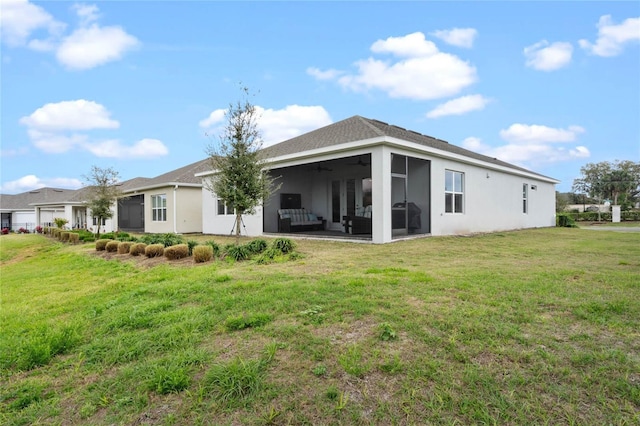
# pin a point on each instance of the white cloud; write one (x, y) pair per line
(89, 47)
(459, 106)
(411, 46)
(422, 73)
(277, 125)
(329, 74)
(60, 127)
(543, 56)
(19, 19)
(216, 116)
(86, 13)
(70, 115)
(460, 37)
(145, 148)
(612, 37)
(534, 133)
(530, 146)
(31, 182)
(56, 143)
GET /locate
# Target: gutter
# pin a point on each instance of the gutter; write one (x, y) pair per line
(175, 209)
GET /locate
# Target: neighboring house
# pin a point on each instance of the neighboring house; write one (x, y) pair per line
(383, 182)
(171, 202)
(41, 206)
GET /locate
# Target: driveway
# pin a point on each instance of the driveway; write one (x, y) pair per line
(613, 228)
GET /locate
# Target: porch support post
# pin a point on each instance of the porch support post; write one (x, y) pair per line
(381, 194)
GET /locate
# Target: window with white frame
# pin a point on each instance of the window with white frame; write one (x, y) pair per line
(525, 198)
(159, 208)
(224, 209)
(453, 192)
(95, 221)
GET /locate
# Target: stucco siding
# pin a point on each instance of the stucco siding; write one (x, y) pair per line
(215, 224)
(189, 210)
(493, 201)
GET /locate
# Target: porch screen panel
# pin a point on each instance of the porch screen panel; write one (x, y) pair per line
(335, 201)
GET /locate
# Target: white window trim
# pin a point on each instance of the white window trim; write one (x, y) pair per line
(525, 198)
(453, 192)
(226, 208)
(161, 215)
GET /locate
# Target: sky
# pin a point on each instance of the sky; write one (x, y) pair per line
(142, 86)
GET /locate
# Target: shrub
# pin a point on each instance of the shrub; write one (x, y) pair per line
(214, 246)
(168, 239)
(5, 231)
(238, 253)
(64, 236)
(268, 256)
(74, 238)
(39, 229)
(202, 253)
(101, 244)
(284, 245)
(565, 221)
(86, 236)
(137, 249)
(60, 221)
(154, 250)
(55, 232)
(23, 230)
(124, 247)
(112, 246)
(257, 246)
(191, 244)
(179, 251)
(119, 236)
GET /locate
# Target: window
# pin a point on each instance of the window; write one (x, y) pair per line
(224, 209)
(159, 208)
(95, 221)
(525, 191)
(453, 191)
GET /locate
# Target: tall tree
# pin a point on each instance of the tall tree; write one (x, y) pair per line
(607, 180)
(241, 178)
(102, 193)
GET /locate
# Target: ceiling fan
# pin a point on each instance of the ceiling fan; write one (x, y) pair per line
(320, 168)
(359, 163)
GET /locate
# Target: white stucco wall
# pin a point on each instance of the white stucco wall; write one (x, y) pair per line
(215, 224)
(492, 201)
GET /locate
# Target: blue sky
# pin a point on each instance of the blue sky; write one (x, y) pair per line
(138, 86)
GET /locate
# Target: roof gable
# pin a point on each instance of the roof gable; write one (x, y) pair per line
(358, 128)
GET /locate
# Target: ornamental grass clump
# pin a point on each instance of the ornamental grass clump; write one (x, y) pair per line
(101, 244)
(284, 245)
(179, 251)
(137, 249)
(154, 250)
(124, 247)
(74, 238)
(214, 246)
(257, 246)
(202, 254)
(64, 236)
(112, 246)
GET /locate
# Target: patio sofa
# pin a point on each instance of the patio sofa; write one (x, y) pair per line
(294, 220)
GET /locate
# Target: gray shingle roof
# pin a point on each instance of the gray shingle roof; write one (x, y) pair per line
(360, 128)
(23, 200)
(184, 174)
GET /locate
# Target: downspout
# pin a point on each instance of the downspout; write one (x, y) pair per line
(175, 209)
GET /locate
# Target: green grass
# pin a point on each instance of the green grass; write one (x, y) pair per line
(529, 327)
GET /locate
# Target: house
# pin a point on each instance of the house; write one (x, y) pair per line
(363, 178)
(41, 206)
(171, 202)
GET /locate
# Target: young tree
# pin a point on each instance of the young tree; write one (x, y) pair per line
(102, 193)
(241, 178)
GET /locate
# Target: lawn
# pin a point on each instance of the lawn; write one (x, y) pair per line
(528, 327)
